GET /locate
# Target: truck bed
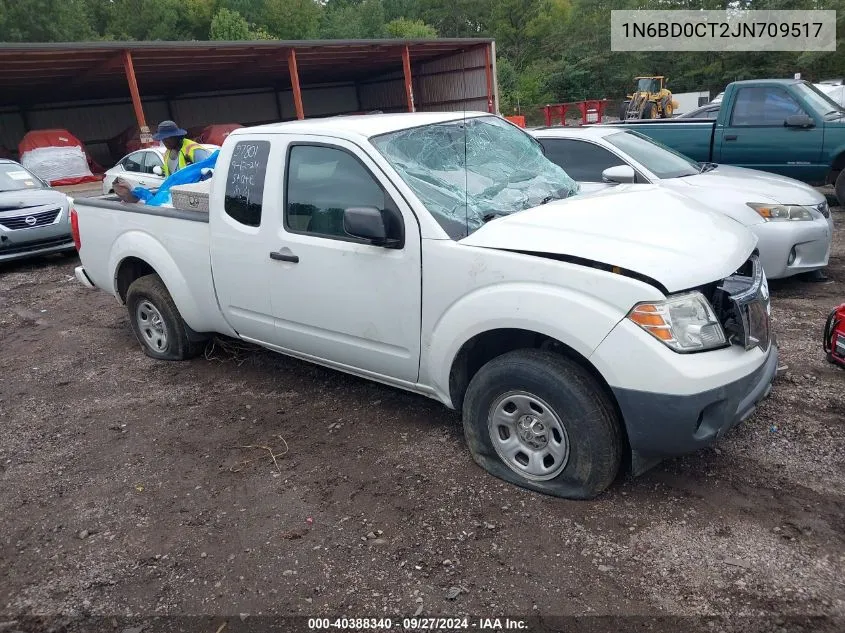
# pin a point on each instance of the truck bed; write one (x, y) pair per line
(176, 241)
(691, 137)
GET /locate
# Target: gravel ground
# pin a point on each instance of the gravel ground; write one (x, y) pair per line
(133, 489)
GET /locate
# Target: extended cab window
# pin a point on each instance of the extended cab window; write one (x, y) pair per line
(583, 161)
(322, 182)
(763, 106)
(245, 181)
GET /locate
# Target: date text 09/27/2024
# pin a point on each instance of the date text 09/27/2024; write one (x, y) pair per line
(418, 624)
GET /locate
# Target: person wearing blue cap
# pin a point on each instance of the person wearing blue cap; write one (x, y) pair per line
(180, 149)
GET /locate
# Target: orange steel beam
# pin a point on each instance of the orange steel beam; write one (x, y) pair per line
(294, 81)
(488, 69)
(133, 91)
(409, 85)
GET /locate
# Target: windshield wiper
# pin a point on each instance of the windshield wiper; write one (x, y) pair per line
(707, 167)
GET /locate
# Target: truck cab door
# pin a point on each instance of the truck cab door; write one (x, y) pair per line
(752, 133)
(338, 299)
(242, 228)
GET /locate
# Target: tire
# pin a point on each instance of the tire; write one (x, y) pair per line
(840, 188)
(156, 322)
(649, 110)
(623, 111)
(562, 403)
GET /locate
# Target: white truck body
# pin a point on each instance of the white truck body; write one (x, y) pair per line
(420, 316)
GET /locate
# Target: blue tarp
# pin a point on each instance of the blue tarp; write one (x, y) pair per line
(191, 173)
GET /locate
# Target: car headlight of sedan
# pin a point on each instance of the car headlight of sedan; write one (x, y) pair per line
(684, 322)
(775, 212)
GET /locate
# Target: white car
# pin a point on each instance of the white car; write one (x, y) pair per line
(442, 253)
(145, 167)
(790, 218)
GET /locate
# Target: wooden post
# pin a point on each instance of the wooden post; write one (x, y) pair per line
(294, 80)
(409, 84)
(136, 97)
(488, 69)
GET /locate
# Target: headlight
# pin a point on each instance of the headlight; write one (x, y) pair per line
(686, 322)
(771, 212)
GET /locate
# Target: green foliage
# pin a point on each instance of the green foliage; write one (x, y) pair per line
(229, 25)
(402, 28)
(292, 19)
(45, 20)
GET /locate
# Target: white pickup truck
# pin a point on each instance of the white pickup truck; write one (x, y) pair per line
(443, 254)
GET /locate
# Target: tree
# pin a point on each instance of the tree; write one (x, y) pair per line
(250, 10)
(45, 20)
(372, 18)
(402, 28)
(511, 22)
(292, 19)
(229, 25)
(457, 18)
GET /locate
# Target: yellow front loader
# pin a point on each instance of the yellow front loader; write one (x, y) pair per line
(650, 100)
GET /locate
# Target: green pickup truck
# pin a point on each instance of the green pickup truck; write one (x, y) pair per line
(785, 126)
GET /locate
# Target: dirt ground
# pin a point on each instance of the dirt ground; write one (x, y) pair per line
(127, 491)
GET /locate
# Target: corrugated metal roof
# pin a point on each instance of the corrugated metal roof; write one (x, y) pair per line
(38, 73)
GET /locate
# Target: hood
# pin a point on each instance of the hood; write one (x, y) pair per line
(644, 228)
(27, 198)
(754, 185)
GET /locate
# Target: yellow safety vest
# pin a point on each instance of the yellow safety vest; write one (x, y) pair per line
(186, 155)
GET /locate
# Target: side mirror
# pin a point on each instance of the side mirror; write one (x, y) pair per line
(798, 120)
(367, 223)
(619, 174)
(158, 171)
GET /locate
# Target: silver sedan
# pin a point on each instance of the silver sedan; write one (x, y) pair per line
(790, 219)
(33, 217)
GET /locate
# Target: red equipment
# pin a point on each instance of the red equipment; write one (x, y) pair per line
(834, 336)
(592, 111)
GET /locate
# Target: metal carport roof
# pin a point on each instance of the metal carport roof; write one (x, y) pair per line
(39, 73)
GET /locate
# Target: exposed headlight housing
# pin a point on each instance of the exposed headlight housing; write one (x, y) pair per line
(684, 322)
(775, 212)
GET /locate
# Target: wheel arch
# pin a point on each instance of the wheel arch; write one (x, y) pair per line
(136, 254)
(490, 344)
(128, 270)
(837, 165)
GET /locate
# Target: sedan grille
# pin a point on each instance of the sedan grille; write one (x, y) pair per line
(31, 220)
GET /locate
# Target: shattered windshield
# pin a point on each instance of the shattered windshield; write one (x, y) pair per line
(468, 172)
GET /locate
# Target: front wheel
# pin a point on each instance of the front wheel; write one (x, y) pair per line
(542, 422)
(156, 321)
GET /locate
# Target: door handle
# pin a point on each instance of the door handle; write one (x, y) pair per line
(730, 137)
(284, 257)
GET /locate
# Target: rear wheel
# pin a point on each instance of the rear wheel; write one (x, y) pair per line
(540, 421)
(840, 188)
(156, 321)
